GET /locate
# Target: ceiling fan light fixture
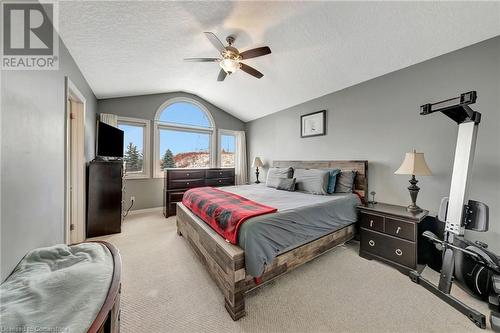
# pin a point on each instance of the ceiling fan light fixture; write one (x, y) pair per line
(231, 57)
(229, 65)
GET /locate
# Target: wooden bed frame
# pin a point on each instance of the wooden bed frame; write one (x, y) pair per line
(226, 262)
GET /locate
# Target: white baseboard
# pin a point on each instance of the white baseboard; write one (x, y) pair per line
(145, 210)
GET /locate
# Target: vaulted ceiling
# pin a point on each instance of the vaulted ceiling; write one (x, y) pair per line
(133, 48)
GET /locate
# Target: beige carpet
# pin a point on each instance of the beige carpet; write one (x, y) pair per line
(166, 289)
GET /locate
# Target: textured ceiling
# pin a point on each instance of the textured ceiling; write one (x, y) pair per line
(133, 48)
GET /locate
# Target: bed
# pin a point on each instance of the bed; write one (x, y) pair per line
(234, 269)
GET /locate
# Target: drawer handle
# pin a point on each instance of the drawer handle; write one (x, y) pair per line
(398, 230)
(371, 242)
(220, 181)
(399, 252)
(220, 173)
(371, 223)
(187, 174)
(187, 183)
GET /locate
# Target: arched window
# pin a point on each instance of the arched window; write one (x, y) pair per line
(185, 113)
(184, 136)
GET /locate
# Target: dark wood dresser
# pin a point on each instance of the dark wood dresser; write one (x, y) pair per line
(104, 197)
(389, 233)
(177, 181)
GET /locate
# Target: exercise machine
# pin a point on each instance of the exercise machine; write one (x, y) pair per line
(468, 263)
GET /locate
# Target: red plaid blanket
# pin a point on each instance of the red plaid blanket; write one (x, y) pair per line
(223, 211)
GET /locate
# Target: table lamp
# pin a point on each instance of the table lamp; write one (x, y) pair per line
(414, 165)
(256, 164)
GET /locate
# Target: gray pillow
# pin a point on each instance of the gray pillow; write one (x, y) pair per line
(345, 181)
(274, 176)
(314, 181)
(286, 184)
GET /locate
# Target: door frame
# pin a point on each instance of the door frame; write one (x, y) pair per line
(72, 93)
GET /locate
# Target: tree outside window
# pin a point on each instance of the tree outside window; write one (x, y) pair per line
(135, 146)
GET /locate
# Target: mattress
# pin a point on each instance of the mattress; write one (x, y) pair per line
(301, 217)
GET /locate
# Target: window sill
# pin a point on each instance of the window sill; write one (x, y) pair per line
(138, 176)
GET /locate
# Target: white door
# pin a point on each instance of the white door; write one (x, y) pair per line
(75, 167)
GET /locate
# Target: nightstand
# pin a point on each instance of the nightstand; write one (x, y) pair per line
(389, 233)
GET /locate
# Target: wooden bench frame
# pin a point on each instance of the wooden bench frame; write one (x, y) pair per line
(108, 318)
(225, 262)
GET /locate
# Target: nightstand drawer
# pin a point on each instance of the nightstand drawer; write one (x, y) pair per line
(390, 248)
(372, 222)
(400, 228)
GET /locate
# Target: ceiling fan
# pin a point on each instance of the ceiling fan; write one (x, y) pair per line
(230, 60)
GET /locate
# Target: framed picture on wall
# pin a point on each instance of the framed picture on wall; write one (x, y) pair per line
(313, 124)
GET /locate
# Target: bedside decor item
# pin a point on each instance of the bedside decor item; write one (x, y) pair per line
(373, 202)
(256, 164)
(414, 164)
(313, 124)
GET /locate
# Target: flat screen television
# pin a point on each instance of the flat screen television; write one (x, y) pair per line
(109, 141)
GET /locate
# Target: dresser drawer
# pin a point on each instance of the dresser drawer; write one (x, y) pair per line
(221, 173)
(372, 222)
(400, 228)
(185, 183)
(175, 196)
(393, 249)
(220, 181)
(185, 174)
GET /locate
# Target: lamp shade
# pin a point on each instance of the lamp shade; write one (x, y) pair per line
(257, 163)
(414, 164)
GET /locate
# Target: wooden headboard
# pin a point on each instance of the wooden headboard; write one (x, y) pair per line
(360, 183)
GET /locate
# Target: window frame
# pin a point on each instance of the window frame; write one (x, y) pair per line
(163, 125)
(146, 167)
(226, 132)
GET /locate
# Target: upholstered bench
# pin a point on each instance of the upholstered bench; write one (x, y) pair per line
(63, 289)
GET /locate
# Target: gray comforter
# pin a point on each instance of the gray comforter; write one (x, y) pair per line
(301, 217)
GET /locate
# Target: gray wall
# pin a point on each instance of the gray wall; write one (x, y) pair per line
(379, 121)
(148, 192)
(33, 156)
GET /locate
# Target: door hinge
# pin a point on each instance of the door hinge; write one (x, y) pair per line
(71, 226)
(72, 115)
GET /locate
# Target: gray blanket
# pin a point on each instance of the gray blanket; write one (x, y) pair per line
(301, 217)
(56, 289)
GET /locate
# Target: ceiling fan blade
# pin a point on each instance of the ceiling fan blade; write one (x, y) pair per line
(215, 41)
(250, 70)
(201, 59)
(222, 75)
(257, 52)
